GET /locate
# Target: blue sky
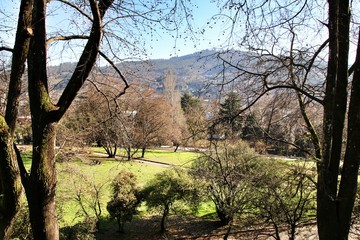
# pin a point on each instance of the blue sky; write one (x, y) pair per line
(161, 45)
(203, 13)
(164, 46)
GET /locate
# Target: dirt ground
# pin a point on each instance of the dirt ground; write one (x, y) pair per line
(201, 229)
(180, 228)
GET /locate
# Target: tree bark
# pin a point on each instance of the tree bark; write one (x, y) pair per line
(334, 117)
(11, 187)
(41, 186)
(143, 149)
(10, 179)
(164, 216)
(349, 176)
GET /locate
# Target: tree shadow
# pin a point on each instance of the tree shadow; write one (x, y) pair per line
(138, 229)
(178, 227)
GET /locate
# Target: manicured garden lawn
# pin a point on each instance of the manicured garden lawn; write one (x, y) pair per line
(82, 175)
(166, 155)
(179, 158)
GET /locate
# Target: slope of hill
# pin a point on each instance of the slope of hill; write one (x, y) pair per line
(191, 72)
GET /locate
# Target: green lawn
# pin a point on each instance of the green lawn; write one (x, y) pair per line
(80, 176)
(179, 158)
(166, 155)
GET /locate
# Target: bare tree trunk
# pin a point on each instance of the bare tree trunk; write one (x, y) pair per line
(335, 102)
(41, 185)
(349, 176)
(143, 149)
(128, 152)
(164, 216)
(228, 230)
(176, 147)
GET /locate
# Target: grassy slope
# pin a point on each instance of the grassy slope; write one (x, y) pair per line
(80, 175)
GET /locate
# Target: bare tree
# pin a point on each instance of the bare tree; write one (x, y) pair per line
(194, 113)
(291, 47)
(86, 34)
(227, 172)
(86, 192)
(173, 96)
(286, 196)
(153, 121)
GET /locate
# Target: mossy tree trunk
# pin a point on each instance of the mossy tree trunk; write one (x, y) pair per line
(10, 180)
(40, 185)
(350, 170)
(11, 188)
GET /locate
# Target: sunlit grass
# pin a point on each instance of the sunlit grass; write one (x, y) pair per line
(166, 155)
(84, 172)
(26, 158)
(94, 176)
(180, 158)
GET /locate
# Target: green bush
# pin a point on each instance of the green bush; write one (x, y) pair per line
(125, 198)
(79, 231)
(287, 197)
(170, 187)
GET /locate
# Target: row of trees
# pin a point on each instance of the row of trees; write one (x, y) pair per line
(146, 118)
(134, 122)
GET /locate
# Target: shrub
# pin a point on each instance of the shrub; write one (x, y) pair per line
(125, 198)
(287, 198)
(79, 231)
(167, 188)
(228, 171)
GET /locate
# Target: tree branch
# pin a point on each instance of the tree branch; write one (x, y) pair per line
(65, 38)
(76, 8)
(86, 61)
(118, 71)
(6, 49)
(312, 60)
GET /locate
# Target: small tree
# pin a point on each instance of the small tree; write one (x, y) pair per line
(195, 117)
(87, 193)
(227, 172)
(169, 187)
(287, 197)
(229, 116)
(125, 198)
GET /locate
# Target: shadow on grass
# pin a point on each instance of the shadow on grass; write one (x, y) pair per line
(138, 228)
(178, 227)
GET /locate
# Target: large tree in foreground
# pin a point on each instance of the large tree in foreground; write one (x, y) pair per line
(290, 48)
(32, 44)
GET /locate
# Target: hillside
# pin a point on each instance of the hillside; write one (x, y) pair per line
(192, 72)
